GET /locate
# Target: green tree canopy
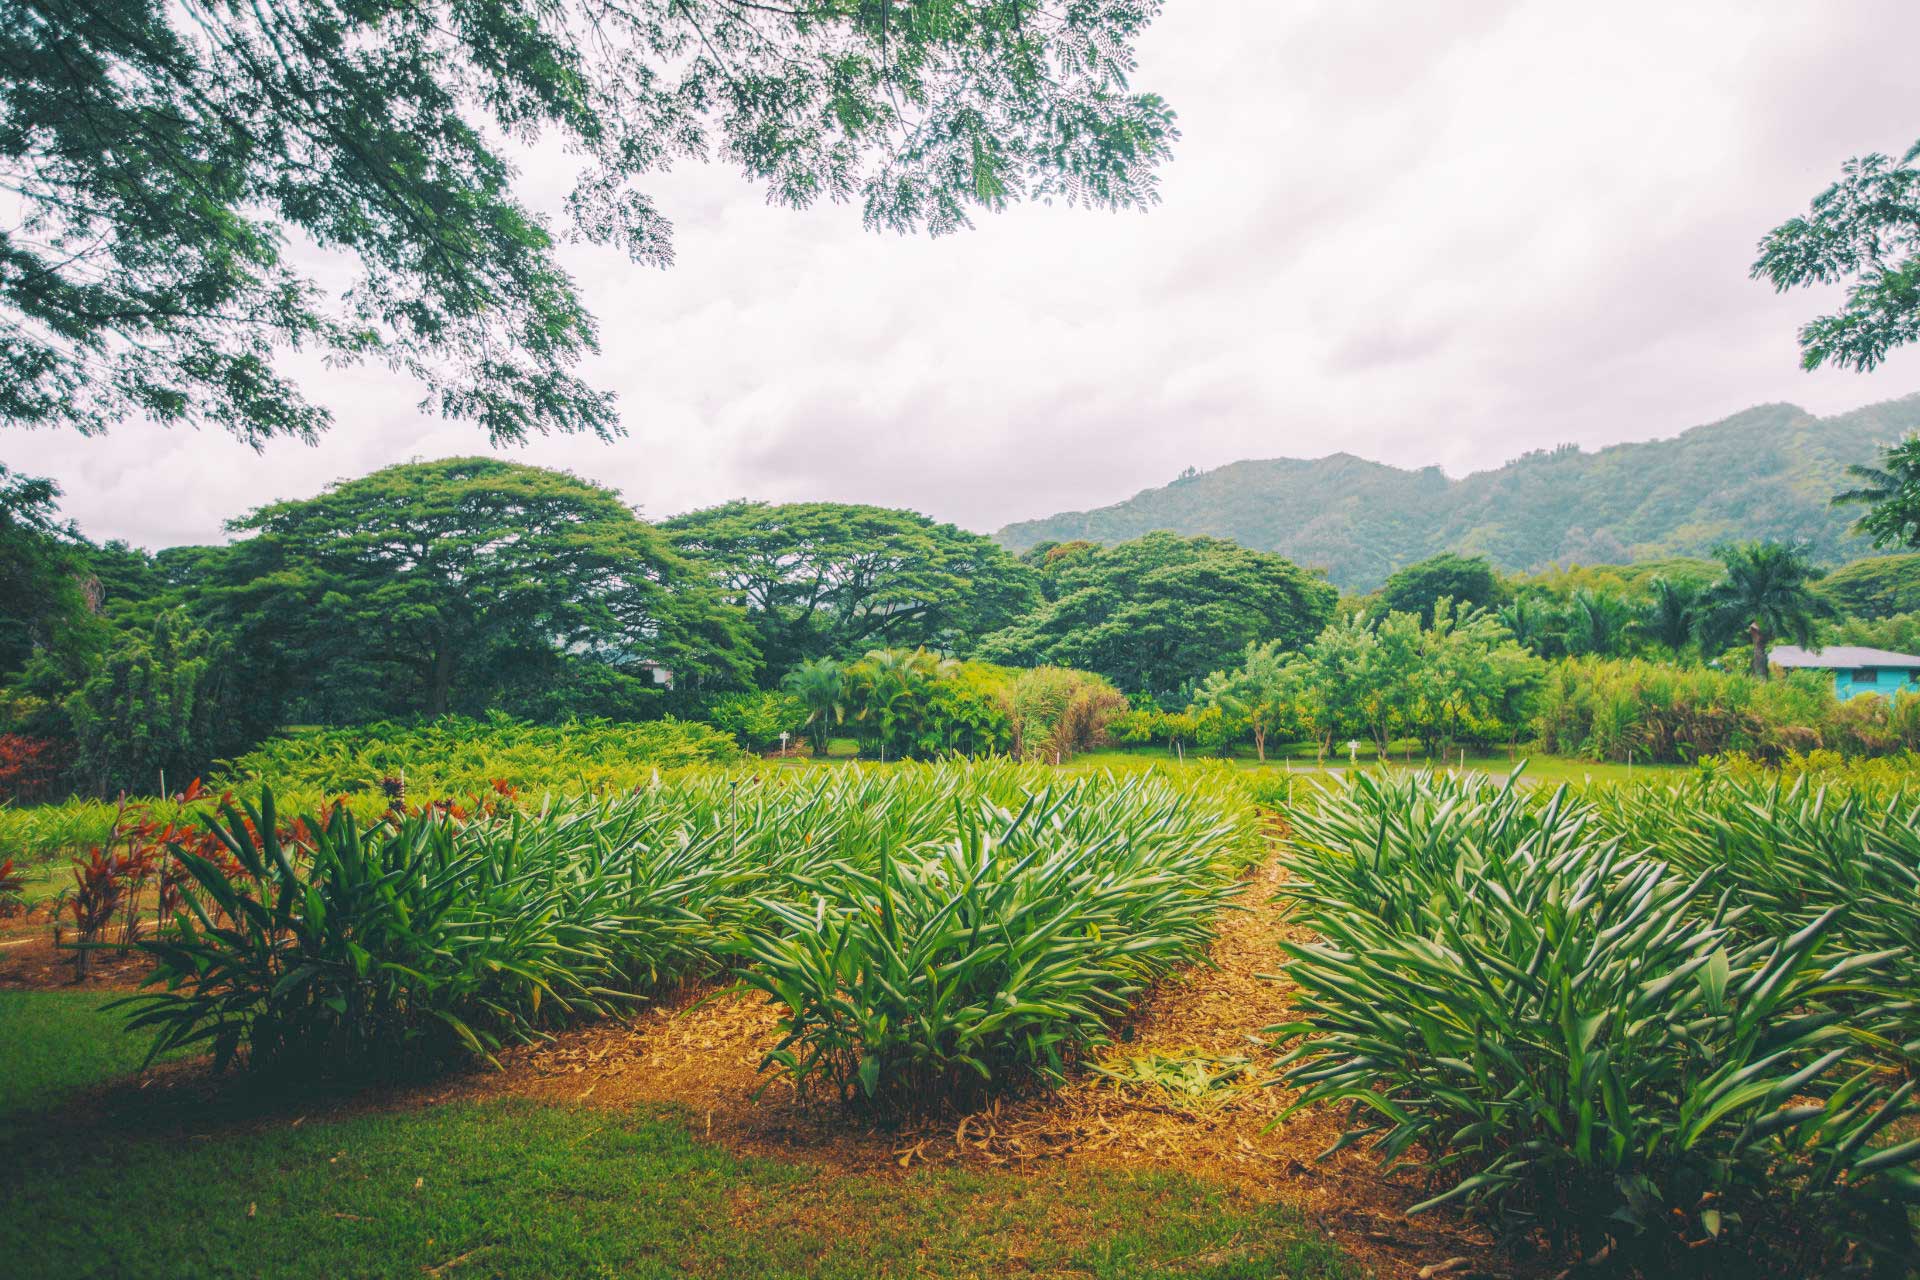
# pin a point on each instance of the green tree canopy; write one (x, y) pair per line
(828, 579)
(161, 158)
(155, 709)
(1864, 232)
(1157, 614)
(1876, 588)
(1469, 581)
(1767, 592)
(44, 604)
(1891, 494)
(411, 590)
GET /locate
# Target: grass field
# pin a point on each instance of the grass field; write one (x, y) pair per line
(514, 1187)
(54, 1044)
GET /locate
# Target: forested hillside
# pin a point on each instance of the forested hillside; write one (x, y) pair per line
(1765, 473)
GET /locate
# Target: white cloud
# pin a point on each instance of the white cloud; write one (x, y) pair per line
(1444, 233)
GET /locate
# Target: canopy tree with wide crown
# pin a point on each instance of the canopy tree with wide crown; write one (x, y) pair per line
(834, 580)
(175, 170)
(431, 579)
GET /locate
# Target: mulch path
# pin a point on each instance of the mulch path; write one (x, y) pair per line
(701, 1049)
(29, 961)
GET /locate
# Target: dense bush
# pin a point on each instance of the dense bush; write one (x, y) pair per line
(154, 710)
(454, 756)
(1576, 1036)
(31, 769)
(382, 945)
(756, 719)
(999, 954)
(1055, 713)
(1846, 845)
(1610, 710)
(913, 704)
(378, 949)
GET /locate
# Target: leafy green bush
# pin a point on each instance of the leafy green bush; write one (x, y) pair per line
(1575, 1037)
(376, 949)
(454, 756)
(1610, 710)
(1845, 845)
(999, 955)
(154, 709)
(756, 719)
(385, 944)
(1056, 713)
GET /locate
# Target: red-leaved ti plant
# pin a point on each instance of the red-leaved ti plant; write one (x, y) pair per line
(96, 894)
(30, 768)
(13, 891)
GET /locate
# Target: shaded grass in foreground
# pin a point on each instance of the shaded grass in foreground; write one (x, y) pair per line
(524, 1188)
(56, 1043)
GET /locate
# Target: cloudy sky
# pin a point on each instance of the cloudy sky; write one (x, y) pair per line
(1437, 233)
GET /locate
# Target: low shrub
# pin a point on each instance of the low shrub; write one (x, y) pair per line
(1839, 841)
(380, 948)
(458, 757)
(757, 719)
(387, 944)
(1577, 1039)
(997, 958)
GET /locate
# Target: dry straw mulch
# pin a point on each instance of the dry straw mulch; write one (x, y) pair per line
(702, 1048)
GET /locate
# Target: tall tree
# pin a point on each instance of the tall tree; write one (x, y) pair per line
(1863, 231)
(421, 580)
(1468, 581)
(44, 604)
(1891, 494)
(160, 157)
(1155, 615)
(155, 714)
(1670, 614)
(828, 579)
(1767, 591)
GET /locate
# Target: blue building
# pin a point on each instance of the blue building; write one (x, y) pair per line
(1856, 669)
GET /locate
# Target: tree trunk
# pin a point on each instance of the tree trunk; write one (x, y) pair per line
(1759, 640)
(1260, 742)
(442, 692)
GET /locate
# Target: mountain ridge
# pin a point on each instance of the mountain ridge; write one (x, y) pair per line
(1766, 472)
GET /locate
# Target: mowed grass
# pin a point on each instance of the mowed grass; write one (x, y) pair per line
(54, 1044)
(513, 1187)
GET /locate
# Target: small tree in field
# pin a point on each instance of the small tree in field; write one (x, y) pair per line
(1259, 693)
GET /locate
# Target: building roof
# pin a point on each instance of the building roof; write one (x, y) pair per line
(1837, 656)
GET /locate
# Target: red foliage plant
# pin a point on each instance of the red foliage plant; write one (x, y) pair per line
(13, 890)
(30, 768)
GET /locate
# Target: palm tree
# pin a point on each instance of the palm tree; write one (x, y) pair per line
(1892, 494)
(821, 687)
(1596, 623)
(1768, 590)
(1671, 612)
(1535, 623)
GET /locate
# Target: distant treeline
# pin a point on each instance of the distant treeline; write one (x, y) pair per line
(478, 587)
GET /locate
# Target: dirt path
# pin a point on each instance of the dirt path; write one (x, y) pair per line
(702, 1050)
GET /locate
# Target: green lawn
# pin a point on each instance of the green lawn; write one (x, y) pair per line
(56, 1043)
(520, 1188)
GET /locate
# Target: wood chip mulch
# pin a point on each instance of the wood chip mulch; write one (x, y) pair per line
(701, 1049)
